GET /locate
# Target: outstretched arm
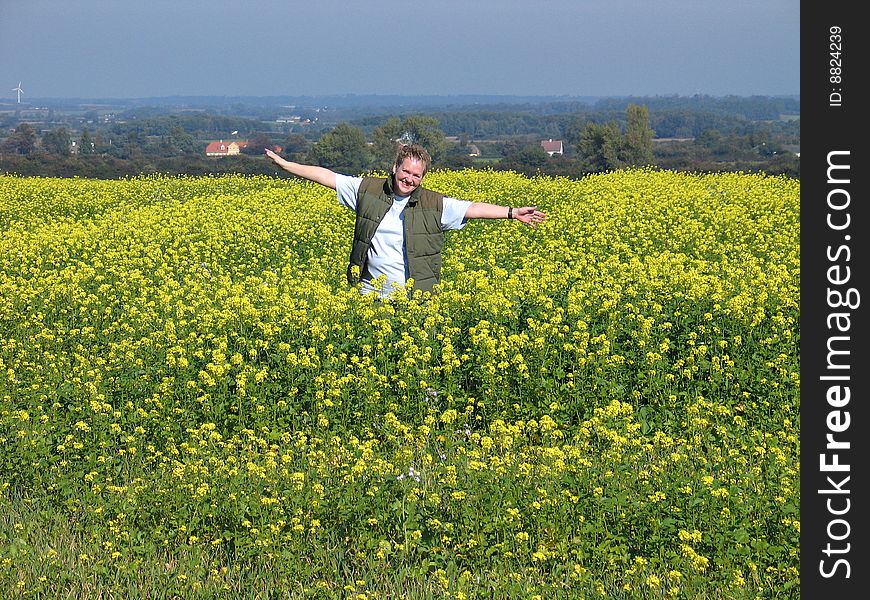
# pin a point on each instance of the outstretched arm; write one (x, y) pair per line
(530, 215)
(320, 175)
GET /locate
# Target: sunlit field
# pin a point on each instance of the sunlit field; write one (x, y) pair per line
(196, 405)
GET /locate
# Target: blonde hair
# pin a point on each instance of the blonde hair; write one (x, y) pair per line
(414, 151)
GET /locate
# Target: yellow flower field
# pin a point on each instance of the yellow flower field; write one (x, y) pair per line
(195, 404)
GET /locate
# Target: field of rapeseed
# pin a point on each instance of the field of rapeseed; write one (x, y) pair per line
(193, 404)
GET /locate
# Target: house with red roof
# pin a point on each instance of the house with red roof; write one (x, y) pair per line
(222, 148)
(552, 146)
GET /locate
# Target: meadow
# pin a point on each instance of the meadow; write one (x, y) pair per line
(194, 404)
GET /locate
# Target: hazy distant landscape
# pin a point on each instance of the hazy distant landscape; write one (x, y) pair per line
(112, 137)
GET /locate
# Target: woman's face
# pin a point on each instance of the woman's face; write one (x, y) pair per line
(407, 176)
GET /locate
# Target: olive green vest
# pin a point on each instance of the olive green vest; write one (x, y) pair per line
(423, 234)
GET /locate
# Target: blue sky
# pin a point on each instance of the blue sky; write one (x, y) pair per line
(135, 48)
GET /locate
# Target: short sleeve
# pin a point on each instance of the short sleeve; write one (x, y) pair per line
(453, 213)
(347, 188)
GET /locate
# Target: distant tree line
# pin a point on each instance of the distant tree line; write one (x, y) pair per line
(715, 134)
(666, 123)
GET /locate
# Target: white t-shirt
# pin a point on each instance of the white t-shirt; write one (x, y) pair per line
(387, 254)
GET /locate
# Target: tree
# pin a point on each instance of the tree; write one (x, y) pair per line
(637, 147)
(21, 141)
(257, 144)
(385, 144)
(457, 156)
(182, 141)
(86, 145)
(343, 149)
(414, 129)
(600, 147)
(296, 145)
(57, 141)
(529, 160)
(709, 138)
(714, 143)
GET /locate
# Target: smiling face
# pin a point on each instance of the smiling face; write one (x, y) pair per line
(407, 176)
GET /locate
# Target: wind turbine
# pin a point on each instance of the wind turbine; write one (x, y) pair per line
(20, 91)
